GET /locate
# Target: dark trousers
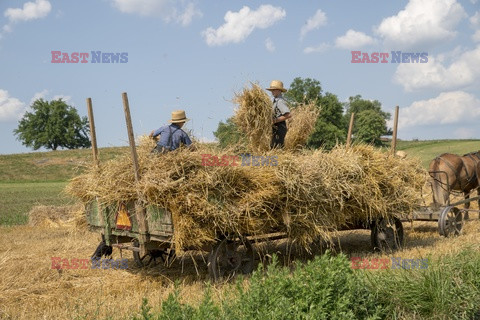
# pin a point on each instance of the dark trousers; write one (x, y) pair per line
(279, 132)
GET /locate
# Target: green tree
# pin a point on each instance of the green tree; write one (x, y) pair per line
(51, 125)
(303, 91)
(370, 119)
(227, 133)
(370, 126)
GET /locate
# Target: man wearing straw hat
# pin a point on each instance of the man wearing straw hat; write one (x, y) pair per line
(172, 136)
(281, 112)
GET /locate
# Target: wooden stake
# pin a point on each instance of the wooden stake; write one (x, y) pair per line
(93, 136)
(394, 136)
(139, 209)
(350, 128)
(131, 138)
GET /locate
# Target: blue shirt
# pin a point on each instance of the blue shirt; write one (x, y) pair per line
(178, 137)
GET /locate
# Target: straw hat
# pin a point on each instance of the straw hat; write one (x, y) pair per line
(178, 116)
(276, 85)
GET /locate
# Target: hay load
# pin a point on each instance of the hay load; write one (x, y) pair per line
(305, 194)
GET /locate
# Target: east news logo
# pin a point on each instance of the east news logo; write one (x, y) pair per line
(397, 57)
(94, 56)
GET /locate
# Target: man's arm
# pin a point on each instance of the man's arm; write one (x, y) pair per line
(283, 117)
(155, 133)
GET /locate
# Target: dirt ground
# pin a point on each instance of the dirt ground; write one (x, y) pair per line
(31, 289)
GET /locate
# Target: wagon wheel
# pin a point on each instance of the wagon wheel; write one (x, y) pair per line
(229, 258)
(387, 234)
(151, 255)
(450, 222)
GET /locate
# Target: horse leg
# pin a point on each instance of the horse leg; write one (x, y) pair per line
(467, 205)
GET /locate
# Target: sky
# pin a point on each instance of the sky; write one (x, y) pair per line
(195, 55)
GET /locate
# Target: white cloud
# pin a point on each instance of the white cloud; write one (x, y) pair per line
(455, 107)
(475, 20)
(239, 25)
(476, 36)
(269, 45)
(65, 98)
(39, 95)
(187, 16)
(473, 1)
(320, 48)
(166, 9)
(464, 71)
(353, 40)
(319, 19)
(31, 10)
(11, 109)
(422, 24)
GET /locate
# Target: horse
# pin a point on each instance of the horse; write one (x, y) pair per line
(451, 172)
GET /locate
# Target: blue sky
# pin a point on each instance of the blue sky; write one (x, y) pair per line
(195, 55)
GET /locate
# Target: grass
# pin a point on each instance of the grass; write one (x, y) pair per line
(429, 149)
(38, 178)
(17, 198)
(60, 165)
(328, 288)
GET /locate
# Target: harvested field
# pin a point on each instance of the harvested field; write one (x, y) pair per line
(31, 289)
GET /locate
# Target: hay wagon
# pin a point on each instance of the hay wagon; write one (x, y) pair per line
(450, 217)
(228, 254)
(148, 230)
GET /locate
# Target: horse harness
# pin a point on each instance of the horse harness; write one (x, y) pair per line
(471, 155)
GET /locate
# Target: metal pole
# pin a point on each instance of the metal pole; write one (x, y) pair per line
(93, 135)
(139, 209)
(395, 128)
(350, 128)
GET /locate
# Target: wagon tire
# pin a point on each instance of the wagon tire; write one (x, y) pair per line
(229, 258)
(387, 234)
(450, 222)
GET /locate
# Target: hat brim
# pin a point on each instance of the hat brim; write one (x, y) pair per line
(179, 120)
(281, 89)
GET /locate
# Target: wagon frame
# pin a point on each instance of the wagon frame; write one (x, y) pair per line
(450, 217)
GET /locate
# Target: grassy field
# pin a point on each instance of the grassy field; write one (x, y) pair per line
(38, 178)
(17, 198)
(428, 150)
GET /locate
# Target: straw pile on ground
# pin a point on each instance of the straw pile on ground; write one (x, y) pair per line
(301, 125)
(306, 194)
(57, 216)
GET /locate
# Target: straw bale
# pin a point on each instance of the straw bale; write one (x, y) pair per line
(301, 125)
